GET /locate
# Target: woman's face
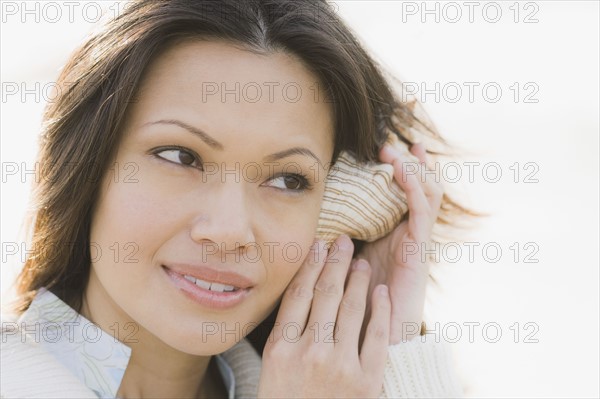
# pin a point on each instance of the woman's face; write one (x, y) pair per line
(207, 191)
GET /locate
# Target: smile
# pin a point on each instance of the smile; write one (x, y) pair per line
(207, 285)
(208, 294)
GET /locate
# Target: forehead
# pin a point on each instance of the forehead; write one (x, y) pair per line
(236, 93)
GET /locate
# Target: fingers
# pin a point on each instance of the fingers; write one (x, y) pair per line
(306, 368)
(418, 204)
(415, 166)
(329, 288)
(352, 308)
(297, 299)
(424, 193)
(316, 291)
(433, 189)
(418, 150)
(375, 346)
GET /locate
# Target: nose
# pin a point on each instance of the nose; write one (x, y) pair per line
(224, 218)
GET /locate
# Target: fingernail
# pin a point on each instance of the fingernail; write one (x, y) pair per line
(383, 290)
(360, 264)
(344, 242)
(386, 150)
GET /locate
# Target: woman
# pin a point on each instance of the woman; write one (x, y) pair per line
(198, 135)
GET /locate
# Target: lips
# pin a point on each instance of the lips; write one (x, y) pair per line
(218, 277)
(211, 288)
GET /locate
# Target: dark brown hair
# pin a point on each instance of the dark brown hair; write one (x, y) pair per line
(82, 127)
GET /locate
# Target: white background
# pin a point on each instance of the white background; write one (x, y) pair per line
(558, 134)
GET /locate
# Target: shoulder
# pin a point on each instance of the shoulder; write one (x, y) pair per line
(30, 371)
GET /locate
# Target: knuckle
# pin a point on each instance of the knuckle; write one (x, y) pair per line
(328, 288)
(352, 304)
(299, 291)
(276, 350)
(316, 357)
(378, 331)
(344, 372)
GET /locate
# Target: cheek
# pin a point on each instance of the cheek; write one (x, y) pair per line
(138, 210)
(289, 239)
(121, 218)
(288, 249)
(128, 226)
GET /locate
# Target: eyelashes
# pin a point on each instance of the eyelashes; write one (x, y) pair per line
(300, 182)
(179, 155)
(187, 158)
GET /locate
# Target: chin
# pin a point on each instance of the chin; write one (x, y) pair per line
(205, 338)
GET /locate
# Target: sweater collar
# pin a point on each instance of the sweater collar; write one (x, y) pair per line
(94, 356)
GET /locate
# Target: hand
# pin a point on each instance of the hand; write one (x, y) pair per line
(313, 349)
(398, 259)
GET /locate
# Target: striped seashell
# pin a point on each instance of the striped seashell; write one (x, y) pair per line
(362, 200)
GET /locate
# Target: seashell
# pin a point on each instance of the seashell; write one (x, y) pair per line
(362, 200)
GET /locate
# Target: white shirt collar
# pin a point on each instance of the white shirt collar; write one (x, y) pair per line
(94, 356)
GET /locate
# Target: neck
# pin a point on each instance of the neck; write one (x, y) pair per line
(155, 370)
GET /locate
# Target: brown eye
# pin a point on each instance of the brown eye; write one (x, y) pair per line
(179, 156)
(292, 182)
(186, 158)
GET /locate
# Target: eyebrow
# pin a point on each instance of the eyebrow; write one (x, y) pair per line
(216, 145)
(205, 137)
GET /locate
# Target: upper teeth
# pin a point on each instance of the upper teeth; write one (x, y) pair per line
(210, 286)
